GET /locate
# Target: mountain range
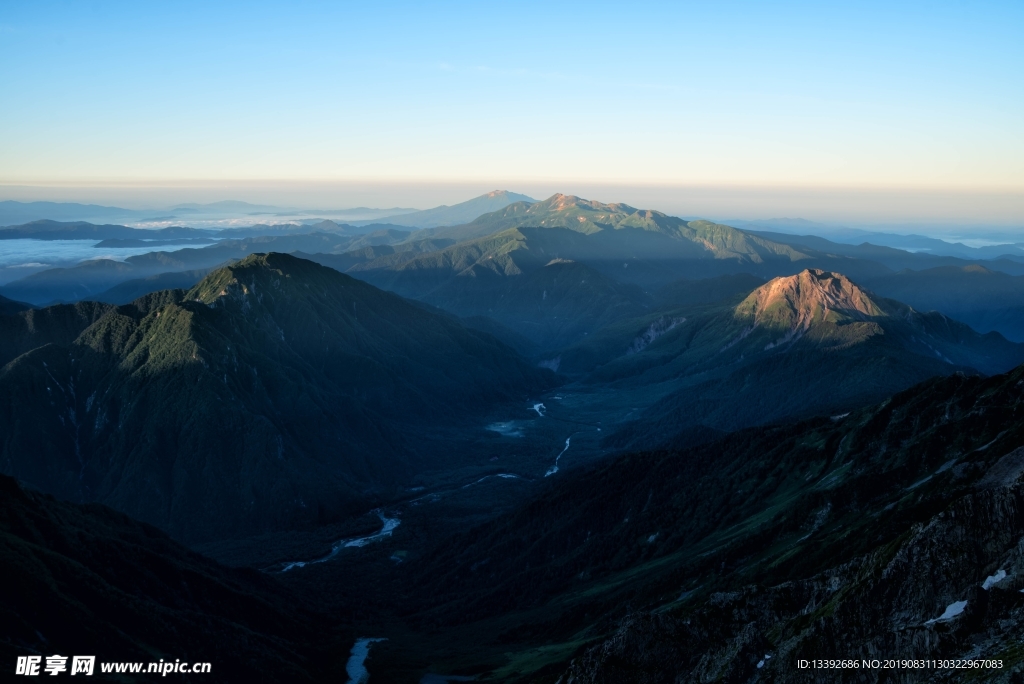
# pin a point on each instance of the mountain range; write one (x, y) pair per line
(561, 441)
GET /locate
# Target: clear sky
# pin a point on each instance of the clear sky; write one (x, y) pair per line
(923, 96)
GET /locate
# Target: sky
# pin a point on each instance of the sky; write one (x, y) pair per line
(848, 109)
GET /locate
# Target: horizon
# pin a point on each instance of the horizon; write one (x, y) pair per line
(936, 212)
(858, 115)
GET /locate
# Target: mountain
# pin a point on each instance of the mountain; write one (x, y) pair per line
(457, 214)
(73, 283)
(625, 244)
(901, 256)
(982, 298)
(795, 346)
(644, 247)
(591, 217)
(82, 230)
(16, 213)
(276, 393)
(729, 561)
(88, 580)
(231, 205)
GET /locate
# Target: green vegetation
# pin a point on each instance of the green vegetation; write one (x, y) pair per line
(276, 393)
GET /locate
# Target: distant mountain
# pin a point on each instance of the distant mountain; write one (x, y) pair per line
(16, 213)
(984, 299)
(81, 230)
(634, 245)
(896, 251)
(796, 346)
(464, 212)
(231, 205)
(91, 278)
(591, 217)
(88, 580)
(274, 393)
(70, 284)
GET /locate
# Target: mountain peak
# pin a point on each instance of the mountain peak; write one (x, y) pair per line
(809, 296)
(561, 202)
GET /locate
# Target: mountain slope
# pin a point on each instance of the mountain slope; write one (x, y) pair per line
(982, 298)
(26, 330)
(457, 214)
(833, 536)
(85, 579)
(9, 306)
(274, 393)
(592, 217)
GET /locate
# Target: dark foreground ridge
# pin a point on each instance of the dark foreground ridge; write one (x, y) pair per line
(844, 537)
(87, 580)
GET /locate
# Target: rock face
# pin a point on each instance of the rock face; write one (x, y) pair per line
(275, 392)
(799, 301)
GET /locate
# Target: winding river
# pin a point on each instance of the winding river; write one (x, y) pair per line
(389, 525)
(554, 469)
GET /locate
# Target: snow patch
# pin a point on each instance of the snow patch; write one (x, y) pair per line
(993, 580)
(952, 610)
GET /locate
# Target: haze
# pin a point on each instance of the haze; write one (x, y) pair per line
(863, 113)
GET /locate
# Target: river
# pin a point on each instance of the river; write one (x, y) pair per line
(389, 525)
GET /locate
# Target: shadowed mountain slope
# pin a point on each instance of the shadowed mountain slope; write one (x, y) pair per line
(274, 393)
(850, 535)
(87, 580)
(984, 299)
(9, 306)
(29, 329)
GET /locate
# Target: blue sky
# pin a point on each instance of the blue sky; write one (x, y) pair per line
(881, 95)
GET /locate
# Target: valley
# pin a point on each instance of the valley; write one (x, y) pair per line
(565, 441)
(512, 343)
